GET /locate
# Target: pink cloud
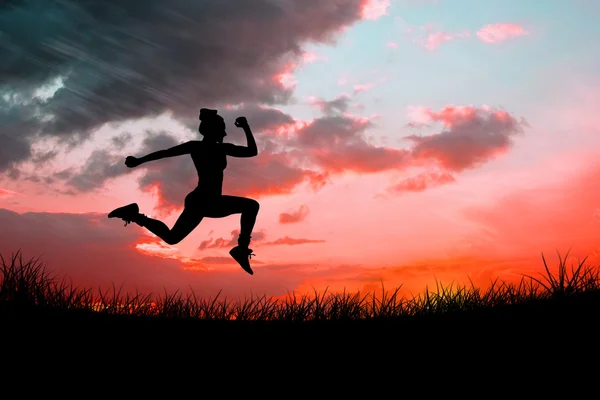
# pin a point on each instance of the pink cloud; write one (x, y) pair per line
(294, 216)
(392, 45)
(362, 88)
(285, 78)
(422, 182)
(374, 9)
(496, 33)
(311, 57)
(435, 39)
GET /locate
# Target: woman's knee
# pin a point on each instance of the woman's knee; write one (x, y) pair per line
(252, 205)
(173, 238)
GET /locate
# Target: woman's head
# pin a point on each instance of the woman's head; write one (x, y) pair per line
(212, 125)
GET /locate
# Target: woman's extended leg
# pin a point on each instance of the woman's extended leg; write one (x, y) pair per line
(186, 223)
(228, 205)
(188, 220)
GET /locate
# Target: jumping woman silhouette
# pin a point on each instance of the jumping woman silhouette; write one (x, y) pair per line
(206, 200)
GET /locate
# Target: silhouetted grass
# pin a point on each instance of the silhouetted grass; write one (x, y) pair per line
(29, 283)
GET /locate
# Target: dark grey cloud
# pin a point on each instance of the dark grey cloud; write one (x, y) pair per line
(121, 141)
(122, 60)
(171, 178)
(98, 168)
(338, 105)
(176, 175)
(260, 118)
(472, 136)
(16, 124)
(337, 143)
(332, 131)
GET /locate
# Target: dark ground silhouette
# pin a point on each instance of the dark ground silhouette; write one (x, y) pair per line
(207, 199)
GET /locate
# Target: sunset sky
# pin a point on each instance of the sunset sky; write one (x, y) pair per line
(400, 142)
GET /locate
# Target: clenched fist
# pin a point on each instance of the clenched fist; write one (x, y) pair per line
(241, 122)
(132, 162)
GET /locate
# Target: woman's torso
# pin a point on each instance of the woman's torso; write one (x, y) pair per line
(210, 161)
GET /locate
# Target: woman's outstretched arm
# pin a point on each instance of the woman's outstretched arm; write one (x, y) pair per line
(184, 148)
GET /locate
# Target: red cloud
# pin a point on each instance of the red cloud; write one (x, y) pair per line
(221, 260)
(496, 33)
(6, 193)
(294, 216)
(291, 241)
(422, 182)
(472, 136)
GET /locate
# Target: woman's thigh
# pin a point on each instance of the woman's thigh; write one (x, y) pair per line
(198, 200)
(227, 205)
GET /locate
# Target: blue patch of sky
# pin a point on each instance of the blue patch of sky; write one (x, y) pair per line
(516, 75)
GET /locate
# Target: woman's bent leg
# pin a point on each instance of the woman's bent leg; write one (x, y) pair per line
(228, 205)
